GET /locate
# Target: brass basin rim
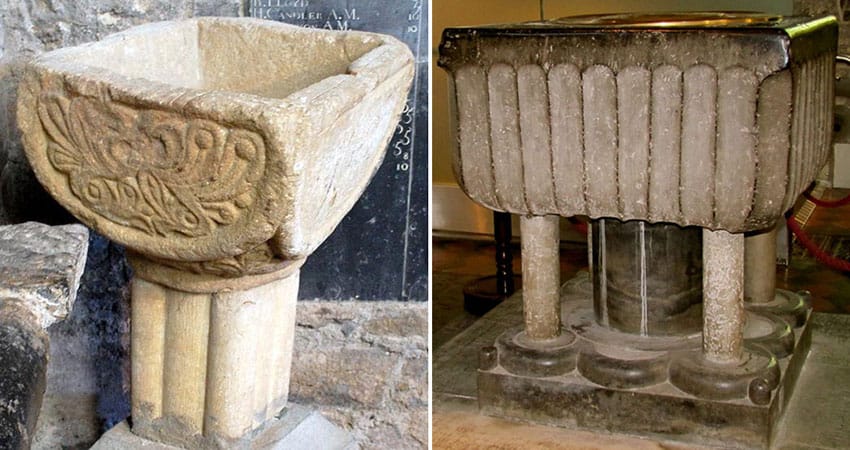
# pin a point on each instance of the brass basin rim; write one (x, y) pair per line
(672, 19)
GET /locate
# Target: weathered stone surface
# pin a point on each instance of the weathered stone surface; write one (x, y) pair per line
(210, 368)
(736, 130)
(23, 360)
(40, 267)
(28, 28)
(370, 379)
(176, 142)
(541, 277)
(398, 324)
(230, 8)
(253, 171)
(723, 296)
(120, 436)
(89, 364)
(818, 8)
(66, 420)
(298, 428)
(412, 387)
(335, 377)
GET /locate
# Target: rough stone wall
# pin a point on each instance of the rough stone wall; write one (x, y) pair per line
(364, 365)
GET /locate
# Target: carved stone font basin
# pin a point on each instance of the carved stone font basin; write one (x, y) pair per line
(221, 153)
(227, 144)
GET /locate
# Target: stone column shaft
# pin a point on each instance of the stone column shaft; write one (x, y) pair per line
(210, 367)
(647, 278)
(541, 276)
(723, 297)
(760, 266)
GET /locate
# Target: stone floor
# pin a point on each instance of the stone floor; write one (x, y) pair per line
(457, 335)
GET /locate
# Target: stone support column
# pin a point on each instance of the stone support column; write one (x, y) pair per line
(723, 301)
(541, 277)
(210, 364)
(647, 278)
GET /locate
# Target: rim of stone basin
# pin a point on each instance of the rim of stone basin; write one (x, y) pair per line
(673, 19)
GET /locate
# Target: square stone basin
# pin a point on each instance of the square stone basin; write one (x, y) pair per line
(211, 138)
(718, 120)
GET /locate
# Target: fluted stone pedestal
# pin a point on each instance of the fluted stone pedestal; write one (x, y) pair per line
(210, 366)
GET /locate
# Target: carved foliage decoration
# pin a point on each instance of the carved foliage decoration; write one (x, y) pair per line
(152, 170)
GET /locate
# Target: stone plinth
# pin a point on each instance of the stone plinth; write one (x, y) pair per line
(621, 383)
(296, 429)
(221, 153)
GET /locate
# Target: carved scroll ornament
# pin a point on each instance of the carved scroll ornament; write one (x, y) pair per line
(151, 170)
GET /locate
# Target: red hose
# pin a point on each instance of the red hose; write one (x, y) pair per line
(820, 255)
(827, 203)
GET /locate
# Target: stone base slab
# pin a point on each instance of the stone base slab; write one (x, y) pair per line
(299, 428)
(628, 397)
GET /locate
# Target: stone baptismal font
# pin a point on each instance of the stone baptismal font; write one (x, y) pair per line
(221, 153)
(685, 138)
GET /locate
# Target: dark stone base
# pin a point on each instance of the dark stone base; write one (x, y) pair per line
(631, 391)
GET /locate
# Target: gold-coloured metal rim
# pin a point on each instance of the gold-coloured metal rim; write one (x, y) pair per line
(672, 20)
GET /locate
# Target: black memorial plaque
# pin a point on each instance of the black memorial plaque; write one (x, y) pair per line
(380, 249)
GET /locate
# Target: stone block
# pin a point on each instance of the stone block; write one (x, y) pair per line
(411, 389)
(342, 376)
(389, 405)
(298, 428)
(41, 266)
(401, 323)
